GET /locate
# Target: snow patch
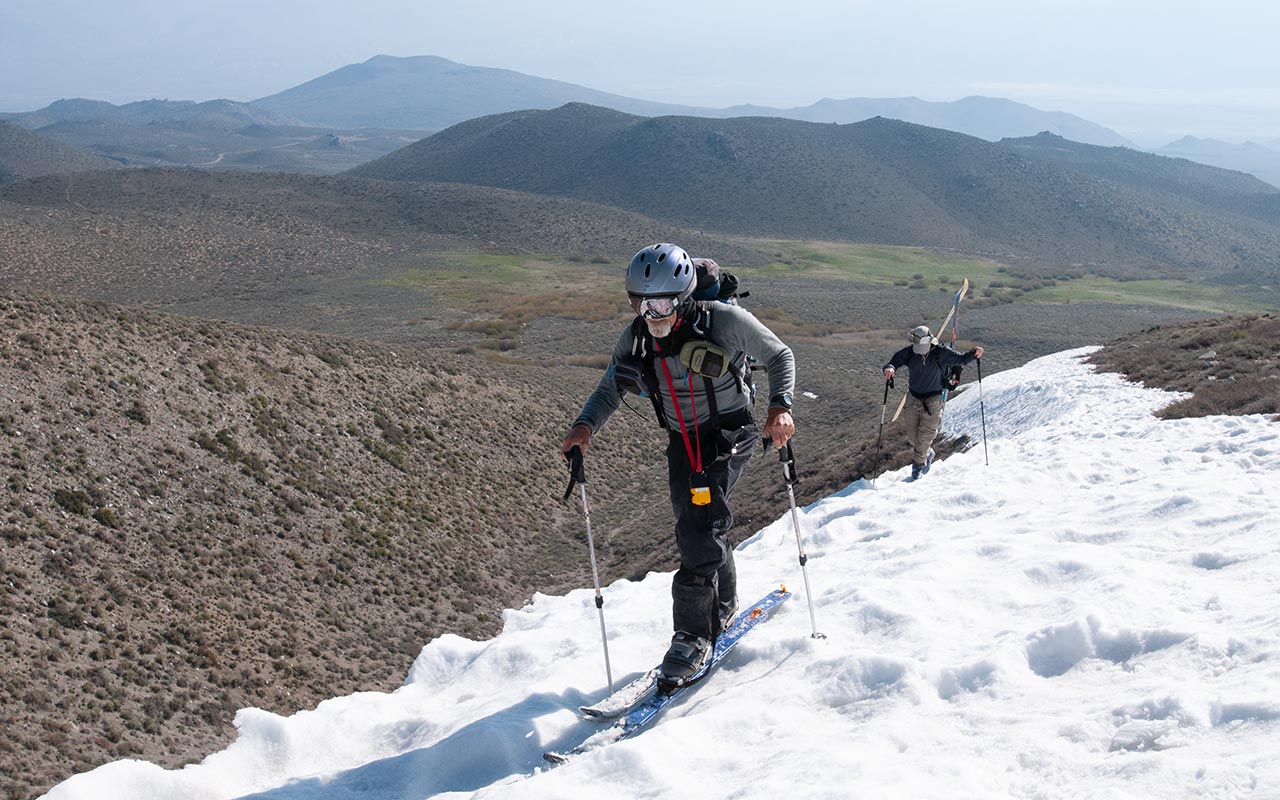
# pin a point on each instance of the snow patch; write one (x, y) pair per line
(1054, 650)
(1091, 614)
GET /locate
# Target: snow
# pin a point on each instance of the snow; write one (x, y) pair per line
(1096, 613)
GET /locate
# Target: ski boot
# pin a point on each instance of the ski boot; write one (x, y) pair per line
(928, 461)
(916, 471)
(685, 658)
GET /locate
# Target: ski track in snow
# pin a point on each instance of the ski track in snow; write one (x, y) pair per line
(1095, 614)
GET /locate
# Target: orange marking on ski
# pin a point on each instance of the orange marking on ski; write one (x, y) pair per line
(755, 612)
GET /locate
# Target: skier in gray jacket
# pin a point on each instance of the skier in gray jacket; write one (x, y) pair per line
(927, 361)
(689, 359)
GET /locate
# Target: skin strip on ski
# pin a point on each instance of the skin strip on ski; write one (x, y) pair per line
(645, 712)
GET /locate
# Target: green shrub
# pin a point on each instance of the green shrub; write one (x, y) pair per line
(73, 501)
(138, 413)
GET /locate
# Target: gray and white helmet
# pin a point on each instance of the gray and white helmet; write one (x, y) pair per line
(661, 270)
(921, 339)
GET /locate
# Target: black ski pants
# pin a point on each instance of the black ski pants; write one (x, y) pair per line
(707, 577)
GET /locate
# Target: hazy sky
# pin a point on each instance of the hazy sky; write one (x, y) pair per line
(1147, 69)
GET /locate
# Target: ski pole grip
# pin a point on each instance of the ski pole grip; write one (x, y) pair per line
(577, 472)
(788, 461)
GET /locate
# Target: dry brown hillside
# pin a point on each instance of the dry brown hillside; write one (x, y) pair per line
(1230, 365)
(199, 517)
(24, 154)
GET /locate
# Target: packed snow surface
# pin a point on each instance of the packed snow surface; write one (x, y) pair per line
(1096, 613)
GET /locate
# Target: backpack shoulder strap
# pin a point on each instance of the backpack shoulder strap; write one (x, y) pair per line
(642, 348)
(743, 378)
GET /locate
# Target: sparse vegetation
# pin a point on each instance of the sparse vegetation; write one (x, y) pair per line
(259, 517)
(1039, 202)
(25, 154)
(1231, 365)
(295, 517)
(992, 283)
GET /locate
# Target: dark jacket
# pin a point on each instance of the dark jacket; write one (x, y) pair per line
(927, 370)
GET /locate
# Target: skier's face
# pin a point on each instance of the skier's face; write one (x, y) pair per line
(659, 313)
(661, 328)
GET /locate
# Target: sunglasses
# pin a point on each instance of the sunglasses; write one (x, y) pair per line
(655, 307)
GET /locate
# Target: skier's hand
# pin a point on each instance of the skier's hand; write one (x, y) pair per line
(888, 374)
(977, 352)
(578, 436)
(780, 426)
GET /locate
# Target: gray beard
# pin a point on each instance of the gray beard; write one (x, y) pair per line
(660, 329)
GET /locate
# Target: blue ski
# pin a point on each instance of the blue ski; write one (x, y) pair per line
(654, 701)
(623, 700)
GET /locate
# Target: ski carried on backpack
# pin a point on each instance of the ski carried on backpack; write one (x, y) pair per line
(952, 378)
(954, 312)
(647, 699)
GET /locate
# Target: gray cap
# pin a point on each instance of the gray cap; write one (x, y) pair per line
(661, 270)
(921, 339)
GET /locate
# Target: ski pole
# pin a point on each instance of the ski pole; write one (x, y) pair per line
(982, 409)
(888, 384)
(578, 475)
(789, 475)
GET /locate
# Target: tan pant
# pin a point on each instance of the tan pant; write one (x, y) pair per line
(922, 418)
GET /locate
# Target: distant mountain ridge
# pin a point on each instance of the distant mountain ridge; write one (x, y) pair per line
(369, 109)
(1260, 160)
(433, 93)
(1154, 172)
(24, 154)
(880, 180)
(217, 134)
(991, 118)
(225, 114)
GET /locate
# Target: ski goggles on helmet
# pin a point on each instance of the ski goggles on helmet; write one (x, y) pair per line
(655, 307)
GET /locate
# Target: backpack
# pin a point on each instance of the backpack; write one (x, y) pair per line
(950, 375)
(951, 378)
(714, 283)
